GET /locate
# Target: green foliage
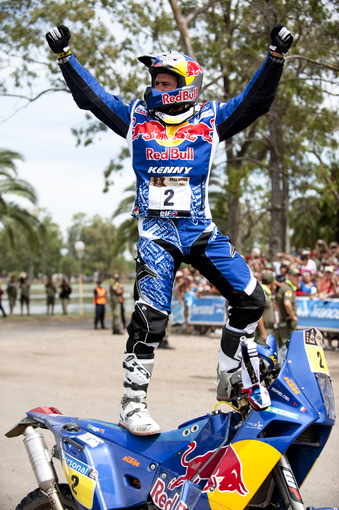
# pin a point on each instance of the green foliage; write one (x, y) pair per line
(229, 39)
(48, 259)
(15, 218)
(99, 236)
(104, 251)
(68, 266)
(315, 215)
(20, 257)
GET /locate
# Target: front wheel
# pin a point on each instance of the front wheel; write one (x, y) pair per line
(36, 500)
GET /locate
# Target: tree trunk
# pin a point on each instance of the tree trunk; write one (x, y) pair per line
(234, 222)
(286, 245)
(233, 199)
(277, 234)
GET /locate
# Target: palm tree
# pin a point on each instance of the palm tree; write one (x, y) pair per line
(126, 235)
(12, 215)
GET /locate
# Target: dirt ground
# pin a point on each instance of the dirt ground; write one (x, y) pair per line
(63, 362)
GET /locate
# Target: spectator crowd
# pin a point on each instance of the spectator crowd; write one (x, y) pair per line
(319, 269)
(317, 272)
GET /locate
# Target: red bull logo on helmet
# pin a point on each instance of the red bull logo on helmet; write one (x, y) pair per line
(193, 68)
(183, 95)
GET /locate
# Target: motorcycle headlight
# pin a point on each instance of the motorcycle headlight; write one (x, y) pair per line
(326, 389)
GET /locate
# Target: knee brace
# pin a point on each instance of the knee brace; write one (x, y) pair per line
(230, 350)
(245, 312)
(146, 329)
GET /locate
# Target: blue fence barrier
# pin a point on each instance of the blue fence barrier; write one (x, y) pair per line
(211, 311)
(206, 310)
(318, 313)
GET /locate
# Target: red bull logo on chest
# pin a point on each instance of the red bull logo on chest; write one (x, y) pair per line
(170, 153)
(173, 135)
(152, 130)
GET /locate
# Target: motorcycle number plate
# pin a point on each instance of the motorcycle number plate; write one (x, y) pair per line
(316, 358)
(81, 478)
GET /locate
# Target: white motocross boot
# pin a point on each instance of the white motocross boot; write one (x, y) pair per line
(258, 395)
(134, 415)
(229, 375)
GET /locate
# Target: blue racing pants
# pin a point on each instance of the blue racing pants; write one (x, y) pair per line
(162, 246)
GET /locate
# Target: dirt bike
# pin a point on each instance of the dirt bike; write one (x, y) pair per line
(241, 459)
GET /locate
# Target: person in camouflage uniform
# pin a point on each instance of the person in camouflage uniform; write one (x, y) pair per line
(24, 294)
(116, 294)
(286, 300)
(12, 293)
(266, 321)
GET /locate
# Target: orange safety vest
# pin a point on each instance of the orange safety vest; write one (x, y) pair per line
(100, 297)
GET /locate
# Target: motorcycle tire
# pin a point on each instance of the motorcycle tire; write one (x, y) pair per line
(36, 500)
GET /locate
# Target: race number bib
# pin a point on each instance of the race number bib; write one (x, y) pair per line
(169, 196)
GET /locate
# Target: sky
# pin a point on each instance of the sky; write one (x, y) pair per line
(67, 179)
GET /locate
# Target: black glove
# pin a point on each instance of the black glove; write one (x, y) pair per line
(281, 39)
(58, 39)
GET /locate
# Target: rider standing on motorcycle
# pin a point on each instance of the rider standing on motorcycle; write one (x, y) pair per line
(172, 141)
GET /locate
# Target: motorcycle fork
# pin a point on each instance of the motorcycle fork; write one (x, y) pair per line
(42, 466)
(286, 483)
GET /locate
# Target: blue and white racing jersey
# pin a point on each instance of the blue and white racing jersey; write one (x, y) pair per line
(172, 163)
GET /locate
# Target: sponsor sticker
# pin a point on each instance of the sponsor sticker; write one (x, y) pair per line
(292, 385)
(280, 394)
(95, 429)
(90, 439)
(282, 412)
(257, 425)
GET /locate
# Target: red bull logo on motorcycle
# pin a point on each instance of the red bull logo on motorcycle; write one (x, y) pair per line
(160, 497)
(228, 477)
(240, 473)
(203, 464)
